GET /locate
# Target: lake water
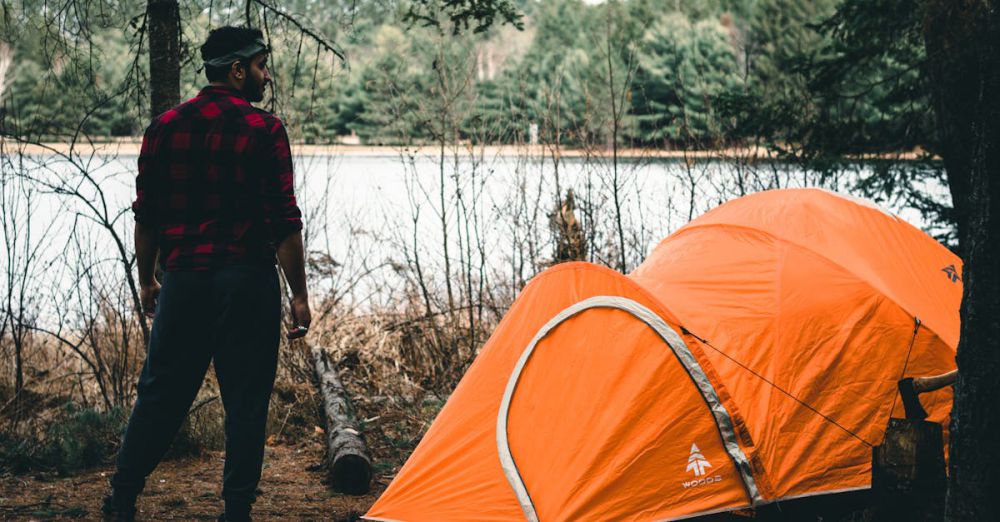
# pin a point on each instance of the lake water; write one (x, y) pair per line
(375, 217)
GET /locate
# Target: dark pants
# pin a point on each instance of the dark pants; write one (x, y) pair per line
(230, 316)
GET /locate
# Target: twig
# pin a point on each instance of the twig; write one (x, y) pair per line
(291, 19)
(202, 403)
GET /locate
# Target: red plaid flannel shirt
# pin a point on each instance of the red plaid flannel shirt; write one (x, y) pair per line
(215, 183)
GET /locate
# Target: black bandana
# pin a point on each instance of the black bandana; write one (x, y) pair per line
(256, 47)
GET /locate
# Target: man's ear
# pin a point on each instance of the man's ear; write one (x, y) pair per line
(237, 70)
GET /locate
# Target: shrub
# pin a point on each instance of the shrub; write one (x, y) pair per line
(83, 438)
(75, 439)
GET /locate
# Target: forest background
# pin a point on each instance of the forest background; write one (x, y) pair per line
(691, 75)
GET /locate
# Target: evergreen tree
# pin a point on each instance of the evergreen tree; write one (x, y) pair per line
(683, 68)
(391, 99)
(549, 80)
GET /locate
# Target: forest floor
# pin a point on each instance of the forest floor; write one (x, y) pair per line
(188, 489)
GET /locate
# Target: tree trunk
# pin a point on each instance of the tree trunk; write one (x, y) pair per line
(963, 48)
(954, 83)
(348, 464)
(163, 21)
(975, 455)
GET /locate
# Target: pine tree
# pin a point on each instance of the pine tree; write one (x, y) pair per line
(683, 69)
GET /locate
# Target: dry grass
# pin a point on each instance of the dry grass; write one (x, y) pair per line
(391, 364)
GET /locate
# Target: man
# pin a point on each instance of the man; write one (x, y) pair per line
(215, 202)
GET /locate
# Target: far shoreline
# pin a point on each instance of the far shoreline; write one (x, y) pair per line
(131, 146)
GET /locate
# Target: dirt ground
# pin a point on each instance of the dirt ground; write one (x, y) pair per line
(188, 489)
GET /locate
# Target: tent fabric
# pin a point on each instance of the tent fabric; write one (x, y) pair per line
(579, 459)
(751, 358)
(684, 356)
(818, 295)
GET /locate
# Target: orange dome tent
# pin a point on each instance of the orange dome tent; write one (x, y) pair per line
(752, 358)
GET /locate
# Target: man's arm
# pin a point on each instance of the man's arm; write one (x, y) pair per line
(286, 222)
(146, 246)
(145, 255)
(291, 256)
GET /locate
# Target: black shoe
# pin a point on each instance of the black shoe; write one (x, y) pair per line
(115, 512)
(222, 518)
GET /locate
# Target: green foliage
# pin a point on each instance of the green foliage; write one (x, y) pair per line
(495, 116)
(388, 97)
(68, 78)
(870, 78)
(311, 97)
(684, 68)
(61, 93)
(84, 438)
(829, 82)
(774, 104)
(828, 79)
(781, 34)
(575, 77)
(569, 81)
(482, 14)
(17, 454)
(548, 87)
(78, 438)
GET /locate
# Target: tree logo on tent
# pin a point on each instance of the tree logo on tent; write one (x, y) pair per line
(698, 464)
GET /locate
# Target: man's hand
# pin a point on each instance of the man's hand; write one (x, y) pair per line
(148, 294)
(301, 317)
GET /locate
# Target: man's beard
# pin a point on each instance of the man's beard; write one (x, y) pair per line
(253, 90)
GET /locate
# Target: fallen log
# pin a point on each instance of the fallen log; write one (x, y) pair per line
(348, 465)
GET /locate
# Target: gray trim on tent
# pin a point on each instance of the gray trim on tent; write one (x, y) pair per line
(684, 356)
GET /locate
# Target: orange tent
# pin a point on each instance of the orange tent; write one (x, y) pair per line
(752, 358)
